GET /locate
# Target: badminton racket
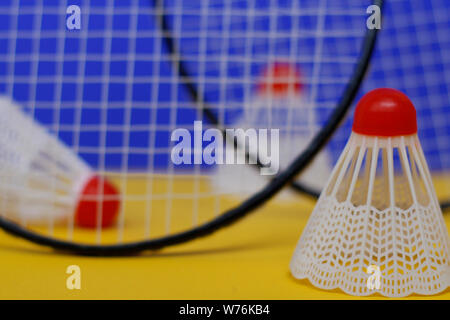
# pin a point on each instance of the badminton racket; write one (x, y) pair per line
(109, 92)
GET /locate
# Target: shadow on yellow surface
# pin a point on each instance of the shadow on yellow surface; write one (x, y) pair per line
(249, 260)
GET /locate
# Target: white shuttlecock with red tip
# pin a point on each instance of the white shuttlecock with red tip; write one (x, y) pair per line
(279, 103)
(42, 181)
(377, 226)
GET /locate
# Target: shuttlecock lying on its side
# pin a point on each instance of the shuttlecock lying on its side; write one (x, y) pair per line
(377, 226)
(42, 181)
(279, 102)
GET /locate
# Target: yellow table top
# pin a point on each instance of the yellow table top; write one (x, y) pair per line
(248, 260)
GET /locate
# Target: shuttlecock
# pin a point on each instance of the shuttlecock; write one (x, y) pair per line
(279, 103)
(42, 181)
(377, 226)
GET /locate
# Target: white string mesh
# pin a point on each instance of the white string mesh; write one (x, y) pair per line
(110, 92)
(279, 102)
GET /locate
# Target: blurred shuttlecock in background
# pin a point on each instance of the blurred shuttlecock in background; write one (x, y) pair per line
(280, 103)
(379, 208)
(43, 182)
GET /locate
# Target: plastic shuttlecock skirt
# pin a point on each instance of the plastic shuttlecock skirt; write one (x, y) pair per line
(377, 226)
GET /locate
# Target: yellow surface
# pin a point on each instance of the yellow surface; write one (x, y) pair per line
(246, 261)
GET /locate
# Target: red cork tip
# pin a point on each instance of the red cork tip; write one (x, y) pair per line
(385, 112)
(97, 190)
(280, 79)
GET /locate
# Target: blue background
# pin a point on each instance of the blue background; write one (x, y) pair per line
(111, 93)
